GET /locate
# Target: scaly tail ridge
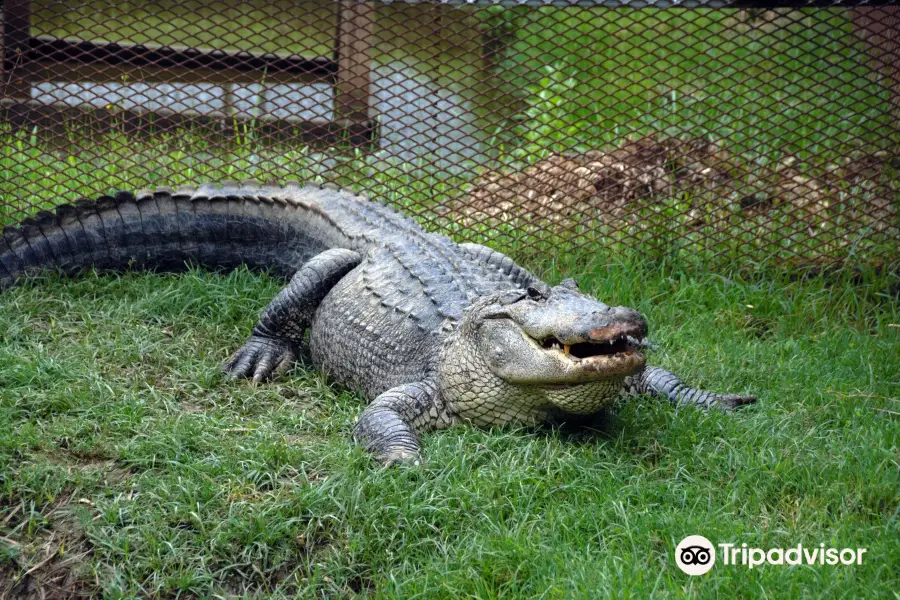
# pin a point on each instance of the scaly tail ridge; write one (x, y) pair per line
(215, 226)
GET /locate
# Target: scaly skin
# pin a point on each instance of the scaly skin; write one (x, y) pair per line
(431, 332)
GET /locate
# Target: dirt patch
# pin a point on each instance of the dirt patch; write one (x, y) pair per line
(289, 576)
(112, 470)
(191, 408)
(614, 185)
(602, 182)
(53, 563)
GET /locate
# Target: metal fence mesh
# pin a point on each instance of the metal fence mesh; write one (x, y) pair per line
(730, 135)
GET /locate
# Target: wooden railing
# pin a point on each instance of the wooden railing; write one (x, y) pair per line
(29, 59)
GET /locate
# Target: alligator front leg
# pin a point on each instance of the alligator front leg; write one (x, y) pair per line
(657, 382)
(274, 343)
(390, 426)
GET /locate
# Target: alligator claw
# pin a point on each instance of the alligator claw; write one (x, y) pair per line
(733, 401)
(396, 457)
(261, 358)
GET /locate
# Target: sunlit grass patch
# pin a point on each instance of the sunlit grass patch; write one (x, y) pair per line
(121, 443)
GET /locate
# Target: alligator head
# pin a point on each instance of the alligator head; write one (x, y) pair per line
(518, 355)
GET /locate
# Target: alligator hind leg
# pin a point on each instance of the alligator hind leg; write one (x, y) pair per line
(657, 382)
(274, 343)
(390, 426)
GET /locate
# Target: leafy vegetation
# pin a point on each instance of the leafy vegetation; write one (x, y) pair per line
(799, 86)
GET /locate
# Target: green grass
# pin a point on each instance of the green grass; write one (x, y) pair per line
(130, 466)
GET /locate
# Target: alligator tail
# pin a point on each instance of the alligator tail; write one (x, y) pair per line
(216, 227)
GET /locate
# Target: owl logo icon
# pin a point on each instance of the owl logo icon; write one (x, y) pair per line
(695, 555)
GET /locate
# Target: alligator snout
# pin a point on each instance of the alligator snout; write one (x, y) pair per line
(619, 323)
(626, 322)
(567, 318)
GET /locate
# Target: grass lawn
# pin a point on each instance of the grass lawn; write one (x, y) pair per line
(129, 465)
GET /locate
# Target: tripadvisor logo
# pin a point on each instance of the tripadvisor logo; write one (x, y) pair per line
(696, 555)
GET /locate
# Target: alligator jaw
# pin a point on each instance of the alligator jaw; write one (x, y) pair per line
(616, 355)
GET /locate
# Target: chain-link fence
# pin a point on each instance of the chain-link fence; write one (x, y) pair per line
(732, 135)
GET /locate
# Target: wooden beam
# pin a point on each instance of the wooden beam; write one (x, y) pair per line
(63, 60)
(880, 28)
(71, 72)
(16, 75)
(352, 97)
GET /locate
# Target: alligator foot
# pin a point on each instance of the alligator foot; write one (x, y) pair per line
(261, 358)
(389, 428)
(657, 382)
(396, 457)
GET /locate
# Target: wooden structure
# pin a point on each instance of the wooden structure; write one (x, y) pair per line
(880, 27)
(29, 59)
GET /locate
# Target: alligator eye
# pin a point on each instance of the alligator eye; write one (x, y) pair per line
(536, 294)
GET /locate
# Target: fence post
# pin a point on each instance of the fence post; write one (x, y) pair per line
(354, 57)
(16, 81)
(880, 27)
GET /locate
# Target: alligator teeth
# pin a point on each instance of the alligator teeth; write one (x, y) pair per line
(555, 346)
(643, 343)
(566, 348)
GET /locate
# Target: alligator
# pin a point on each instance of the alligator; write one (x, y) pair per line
(431, 332)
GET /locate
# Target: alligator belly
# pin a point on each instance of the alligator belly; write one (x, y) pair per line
(365, 345)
